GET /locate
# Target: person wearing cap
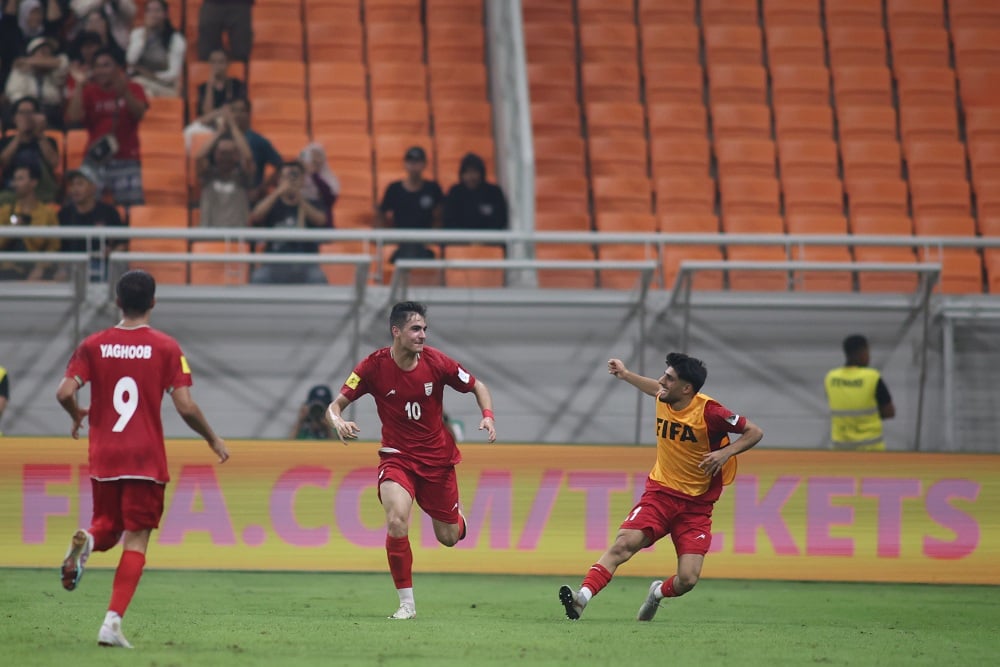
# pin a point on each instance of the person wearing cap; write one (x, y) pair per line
(41, 73)
(26, 211)
(472, 203)
(411, 203)
(28, 145)
(84, 209)
(311, 424)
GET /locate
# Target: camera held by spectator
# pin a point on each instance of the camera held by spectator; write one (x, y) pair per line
(310, 423)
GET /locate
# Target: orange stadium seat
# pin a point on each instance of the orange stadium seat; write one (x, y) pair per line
(560, 155)
(673, 255)
(356, 189)
(455, 42)
(961, 225)
(904, 282)
(976, 46)
(400, 117)
(800, 84)
(278, 114)
(674, 84)
(454, 11)
(616, 119)
(877, 196)
(757, 281)
(609, 42)
(565, 278)
(162, 149)
(553, 118)
(984, 158)
(689, 223)
(552, 82)
(940, 197)
(729, 12)
(741, 121)
(822, 281)
(338, 114)
(812, 196)
(808, 158)
(623, 279)
(610, 82)
(745, 157)
(219, 273)
(562, 222)
(871, 159)
(393, 42)
(343, 274)
(753, 224)
(625, 223)
(974, 13)
(158, 216)
(915, 13)
(813, 223)
(866, 122)
(618, 156)
(854, 13)
(927, 160)
(165, 273)
(657, 12)
(920, 47)
(670, 44)
(474, 278)
(333, 11)
(347, 150)
(676, 120)
(979, 87)
(547, 11)
(346, 48)
(550, 42)
(862, 86)
(462, 118)
(457, 81)
(279, 40)
(616, 194)
(881, 225)
(289, 143)
(603, 11)
(685, 194)
(393, 11)
(400, 81)
(338, 79)
(165, 187)
(925, 86)
(961, 269)
(733, 44)
(562, 194)
(164, 113)
(793, 121)
(791, 12)
(855, 46)
(739, 84)
(795, 45)
(742, 195)
(276, 78)
(680, 156)
(991, 260)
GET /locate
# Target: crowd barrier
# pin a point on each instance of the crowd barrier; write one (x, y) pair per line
(532, 509)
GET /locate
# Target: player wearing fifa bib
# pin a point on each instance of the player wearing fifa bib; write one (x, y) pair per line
(694, 460)
(129, 367)
(418, 453)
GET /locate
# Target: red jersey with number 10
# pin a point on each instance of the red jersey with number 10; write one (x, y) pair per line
(409, 403)
(129, 371)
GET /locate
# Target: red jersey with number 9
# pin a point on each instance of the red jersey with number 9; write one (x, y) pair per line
(129, 370)
(409, 403)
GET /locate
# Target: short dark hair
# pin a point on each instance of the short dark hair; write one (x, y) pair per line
(34, 171)
(116, 57)
(33, 101)
(135, 291)
(403, 311)
(689, 369)
(854, 343)
(292, 164)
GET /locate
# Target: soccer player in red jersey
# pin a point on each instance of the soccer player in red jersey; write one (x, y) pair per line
(129, 366)
(694, 459)
(418, 454)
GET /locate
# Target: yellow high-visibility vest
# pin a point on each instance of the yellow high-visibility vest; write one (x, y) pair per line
(855, 422)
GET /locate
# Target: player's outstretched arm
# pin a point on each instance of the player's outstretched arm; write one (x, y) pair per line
(485, 401)
(646, 385)
(345, 430)
(66, 395)
(193, 417)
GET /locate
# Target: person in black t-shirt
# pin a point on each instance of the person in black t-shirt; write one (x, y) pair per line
(84, 209)
(472, 203)
(412, 203)
(28, 145)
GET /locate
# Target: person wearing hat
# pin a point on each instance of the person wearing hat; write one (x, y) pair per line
(310, 423)
(41, 74)
(411, 203)
(84, 209)
(28, 145)
(472, 203)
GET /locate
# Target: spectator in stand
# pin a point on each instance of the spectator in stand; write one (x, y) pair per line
(214, 96)
(111, 19)
(84, 209)
(40, 74)
(472, 203)
(225, 167)
(233, 17)
(28, 145)
(287, 208)
(156, 53)
(311, 423)
(262, 150)
(21, 22)
(81, 54)
(412, 203)
(111, 108)
(26, 210)
(322, 186)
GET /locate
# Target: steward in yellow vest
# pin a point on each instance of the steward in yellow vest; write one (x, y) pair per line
(859, 400)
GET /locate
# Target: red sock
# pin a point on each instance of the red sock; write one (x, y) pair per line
(667, 588)
(126, 580)
(597, 578)
(400, 560)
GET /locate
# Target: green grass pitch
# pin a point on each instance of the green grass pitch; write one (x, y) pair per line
(242, 619)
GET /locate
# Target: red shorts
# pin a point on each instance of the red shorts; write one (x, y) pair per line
(127, 504)
(434, 488)
(658, 513)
